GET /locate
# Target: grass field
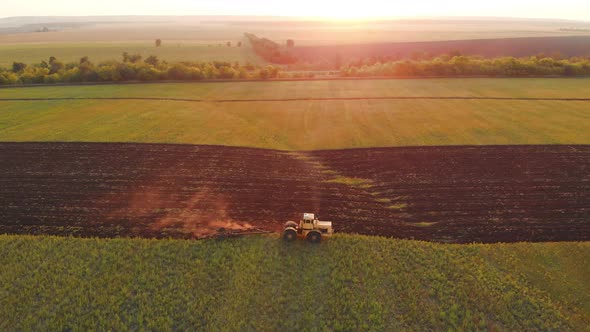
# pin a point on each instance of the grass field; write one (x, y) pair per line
(260, 283)
(305, 125)
(172, 51)
(475, 87)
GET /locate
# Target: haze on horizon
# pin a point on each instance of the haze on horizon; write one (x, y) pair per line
(331, 10)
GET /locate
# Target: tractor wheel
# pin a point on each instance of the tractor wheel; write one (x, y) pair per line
(314, 237)
(289, 235)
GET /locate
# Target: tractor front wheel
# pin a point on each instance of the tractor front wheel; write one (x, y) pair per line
(289, 235)
(314, 237)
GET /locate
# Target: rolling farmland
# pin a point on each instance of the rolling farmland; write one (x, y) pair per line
(442, 160)
(458, 204)
(450, 194)
(207, 29)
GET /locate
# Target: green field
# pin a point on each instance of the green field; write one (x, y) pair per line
(261, 283)
(305, 125)
(173, 51)
(473, 87)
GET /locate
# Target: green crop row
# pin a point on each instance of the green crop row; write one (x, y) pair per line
(348, 283)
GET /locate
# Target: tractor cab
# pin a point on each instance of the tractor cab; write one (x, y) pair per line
(308, 220)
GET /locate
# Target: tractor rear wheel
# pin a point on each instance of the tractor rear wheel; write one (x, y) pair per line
(289, 235)
(314, 237)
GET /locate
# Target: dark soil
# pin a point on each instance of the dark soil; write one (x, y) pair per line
(449, 194)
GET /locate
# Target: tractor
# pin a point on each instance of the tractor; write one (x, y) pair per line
(309, 228)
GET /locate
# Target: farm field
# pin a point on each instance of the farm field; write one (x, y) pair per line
(216, 50)
(569, 46)
(261, 283)
(458, 204)
(443, 87)
(304, 32)
(301, 123)
(447, 194)
(173, 51)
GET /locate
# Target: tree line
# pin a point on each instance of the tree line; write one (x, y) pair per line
(451, 66)
(132, 67)
(270, 50)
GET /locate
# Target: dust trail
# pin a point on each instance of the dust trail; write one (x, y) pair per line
(204, 213)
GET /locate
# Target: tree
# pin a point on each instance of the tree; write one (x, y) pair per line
(178, 72)
(55, 65)
(239, 44)
(569, 70)
(228, 44)
(18, 67)
(263, 74)
(84, 59)
(290, 43)
(158, 42)
(133, 58)
(125, 72)
(152, 60)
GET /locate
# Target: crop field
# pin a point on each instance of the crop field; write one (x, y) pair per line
(173, 51)
(452, 194)
(569, 46)
(305, 115)
(202, 29)
(444, 87)
(260, 283)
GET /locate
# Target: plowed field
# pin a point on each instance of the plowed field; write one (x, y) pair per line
(449, 194)
(517, 47)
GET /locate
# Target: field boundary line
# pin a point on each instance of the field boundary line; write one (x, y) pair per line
(293, 79)
(297, 99)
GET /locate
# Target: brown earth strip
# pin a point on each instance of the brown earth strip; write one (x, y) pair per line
(448, 194)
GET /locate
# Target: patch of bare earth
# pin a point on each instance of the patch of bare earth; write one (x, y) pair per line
(451, 194)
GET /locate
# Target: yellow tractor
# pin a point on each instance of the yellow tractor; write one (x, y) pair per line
(309, 228)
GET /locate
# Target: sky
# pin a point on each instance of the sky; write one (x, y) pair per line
(563, 9)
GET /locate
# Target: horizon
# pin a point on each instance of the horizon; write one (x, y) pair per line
(310, 18)
(307, 9)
